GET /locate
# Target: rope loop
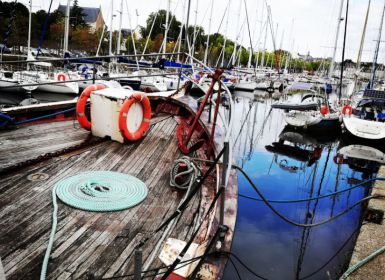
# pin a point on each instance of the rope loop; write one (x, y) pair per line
(183, 173)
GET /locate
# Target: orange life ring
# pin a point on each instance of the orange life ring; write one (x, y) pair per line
(61, 77)
(144, 126)
(81, 105)
(347, 109)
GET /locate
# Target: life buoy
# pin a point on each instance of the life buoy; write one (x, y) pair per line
(324, 110)
(338, 159)
(81, 105)
(144, 126)
(347, 109)
(61, 77)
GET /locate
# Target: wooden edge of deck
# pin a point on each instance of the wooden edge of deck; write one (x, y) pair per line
(214, 266)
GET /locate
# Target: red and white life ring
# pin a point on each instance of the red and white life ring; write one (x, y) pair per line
(144, 126)
(338, 159)
(81, 105)
(347, 110)
(324, 110)
(61, 77)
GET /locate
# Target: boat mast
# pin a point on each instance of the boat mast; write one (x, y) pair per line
(208, 34)
(225, 41)
(290, 38)
(166, 27)
(66, 28)
(343, 49)
(264, 45)
(260, 35)
(374, 66)
(181, 29)
(361, 46)
(331, 68)
(132, 37)
(111, 22)
(234, 57)
(120, 28)
(29, 32)
(195, 29)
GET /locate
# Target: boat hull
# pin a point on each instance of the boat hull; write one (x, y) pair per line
(364, 129)
(67, 88)
(312, 120)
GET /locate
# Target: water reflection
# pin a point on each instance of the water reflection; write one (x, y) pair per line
(287, 164)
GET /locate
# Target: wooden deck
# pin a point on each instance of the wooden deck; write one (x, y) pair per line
(87, 244)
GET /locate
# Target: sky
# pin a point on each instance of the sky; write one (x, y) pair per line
(303, 25)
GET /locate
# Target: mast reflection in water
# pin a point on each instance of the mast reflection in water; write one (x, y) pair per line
(287, 164)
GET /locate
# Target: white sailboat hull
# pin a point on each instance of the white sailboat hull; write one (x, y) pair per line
(246, 86)
(9, 83)
(67, 88)
(364, 128)
(311, 119)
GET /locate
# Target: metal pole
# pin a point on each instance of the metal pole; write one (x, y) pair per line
(29, 31)
(373, 75)
(120, 28)
(361, 47)
(186, 40)
(166, 29)
(138, 264)
(331, 68)
(343, 50)
(111, 22)
(208, 33)
(94, 73)
(225, 165)
(66, 27)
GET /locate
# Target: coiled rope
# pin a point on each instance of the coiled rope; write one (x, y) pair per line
(99, 191)
(183, 179)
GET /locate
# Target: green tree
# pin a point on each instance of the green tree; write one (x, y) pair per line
(159, 26)
(77, 16)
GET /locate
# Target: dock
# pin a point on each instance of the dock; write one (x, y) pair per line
(371, 238)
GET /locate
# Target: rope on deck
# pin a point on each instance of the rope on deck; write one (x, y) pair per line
(99, 191)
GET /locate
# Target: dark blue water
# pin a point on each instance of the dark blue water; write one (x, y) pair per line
(291, 165)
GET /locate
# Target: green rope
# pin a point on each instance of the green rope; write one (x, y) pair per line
(98, 191)
(362, 263)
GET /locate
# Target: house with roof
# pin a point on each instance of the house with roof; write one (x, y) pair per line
(92, 16)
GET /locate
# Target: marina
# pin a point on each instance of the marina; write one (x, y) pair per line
(186, 140)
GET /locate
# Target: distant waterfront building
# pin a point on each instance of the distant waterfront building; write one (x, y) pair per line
(93, 16)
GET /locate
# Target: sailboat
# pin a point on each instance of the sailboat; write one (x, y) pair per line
(367, 119)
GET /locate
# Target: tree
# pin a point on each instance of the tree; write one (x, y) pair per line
(159, 26)
(77, 16)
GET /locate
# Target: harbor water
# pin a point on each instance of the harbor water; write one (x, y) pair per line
(289, 165)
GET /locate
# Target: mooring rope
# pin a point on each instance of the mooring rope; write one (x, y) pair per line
(186, 177)
(98, 191)
(362, 263)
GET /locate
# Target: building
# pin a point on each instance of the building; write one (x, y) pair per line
(93, 16)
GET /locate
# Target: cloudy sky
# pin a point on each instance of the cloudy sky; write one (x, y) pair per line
(314, 21)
